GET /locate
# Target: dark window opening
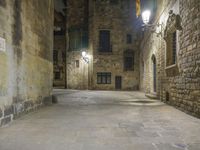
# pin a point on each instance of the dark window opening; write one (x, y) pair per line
(55, 56)
(171, 53)
(57, 75)
(59, 31)
(104, 78)
(77, 63)
(128, 61)
(167, 97)
(84, 38)
(78, 39)
(128, 64)
(63, 57)
(174, 48)
(114, 2)
(128, 38)
(104, 41)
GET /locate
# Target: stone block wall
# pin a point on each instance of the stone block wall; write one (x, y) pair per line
(77, 71)
(118, 18)
(181, 89)
(59, 50)
(26, 60)
(60, 64)
(77, 20)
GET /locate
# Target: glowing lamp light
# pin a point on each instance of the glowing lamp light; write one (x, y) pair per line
(154, 28)
(85, 56)
(146, 16)
(84, 53)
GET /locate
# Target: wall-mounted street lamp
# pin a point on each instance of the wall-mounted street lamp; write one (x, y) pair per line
(156, 28)
(85, 56)
(146, 16)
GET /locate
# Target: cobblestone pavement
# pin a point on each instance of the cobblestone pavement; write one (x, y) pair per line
(103, 120)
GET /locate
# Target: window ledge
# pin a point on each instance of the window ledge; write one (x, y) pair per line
(171, 66)
(105, 53)
(130, 70)
(172, 70)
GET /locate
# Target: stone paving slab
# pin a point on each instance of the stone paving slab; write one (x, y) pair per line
(103, 120)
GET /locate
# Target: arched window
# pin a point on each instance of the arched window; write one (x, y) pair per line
(171, 38)
(173, 24)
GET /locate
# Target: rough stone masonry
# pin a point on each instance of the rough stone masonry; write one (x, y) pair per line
(88, 18)
(25, 56)
(177, 84)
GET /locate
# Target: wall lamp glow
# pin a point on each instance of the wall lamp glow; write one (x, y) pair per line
(146, 16)
(156, 28)
(85, 56)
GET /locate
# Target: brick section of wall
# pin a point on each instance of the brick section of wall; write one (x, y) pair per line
(181, 90)
(26, 64)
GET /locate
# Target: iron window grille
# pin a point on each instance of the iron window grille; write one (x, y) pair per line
(103, 78)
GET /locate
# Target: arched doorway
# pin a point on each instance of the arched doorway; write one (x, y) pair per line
(153, 58)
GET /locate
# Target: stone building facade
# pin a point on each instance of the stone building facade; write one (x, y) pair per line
(105, 29)
(77, 39)
(170, 54)
(25, 56)
(59, 50)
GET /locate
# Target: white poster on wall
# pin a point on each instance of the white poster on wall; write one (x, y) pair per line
(2, 44)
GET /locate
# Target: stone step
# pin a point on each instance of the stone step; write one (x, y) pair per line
(151, 95)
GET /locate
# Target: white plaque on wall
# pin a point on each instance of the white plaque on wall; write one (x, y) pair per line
(2, 44)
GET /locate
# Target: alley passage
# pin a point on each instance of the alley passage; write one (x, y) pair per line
(103, 120)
